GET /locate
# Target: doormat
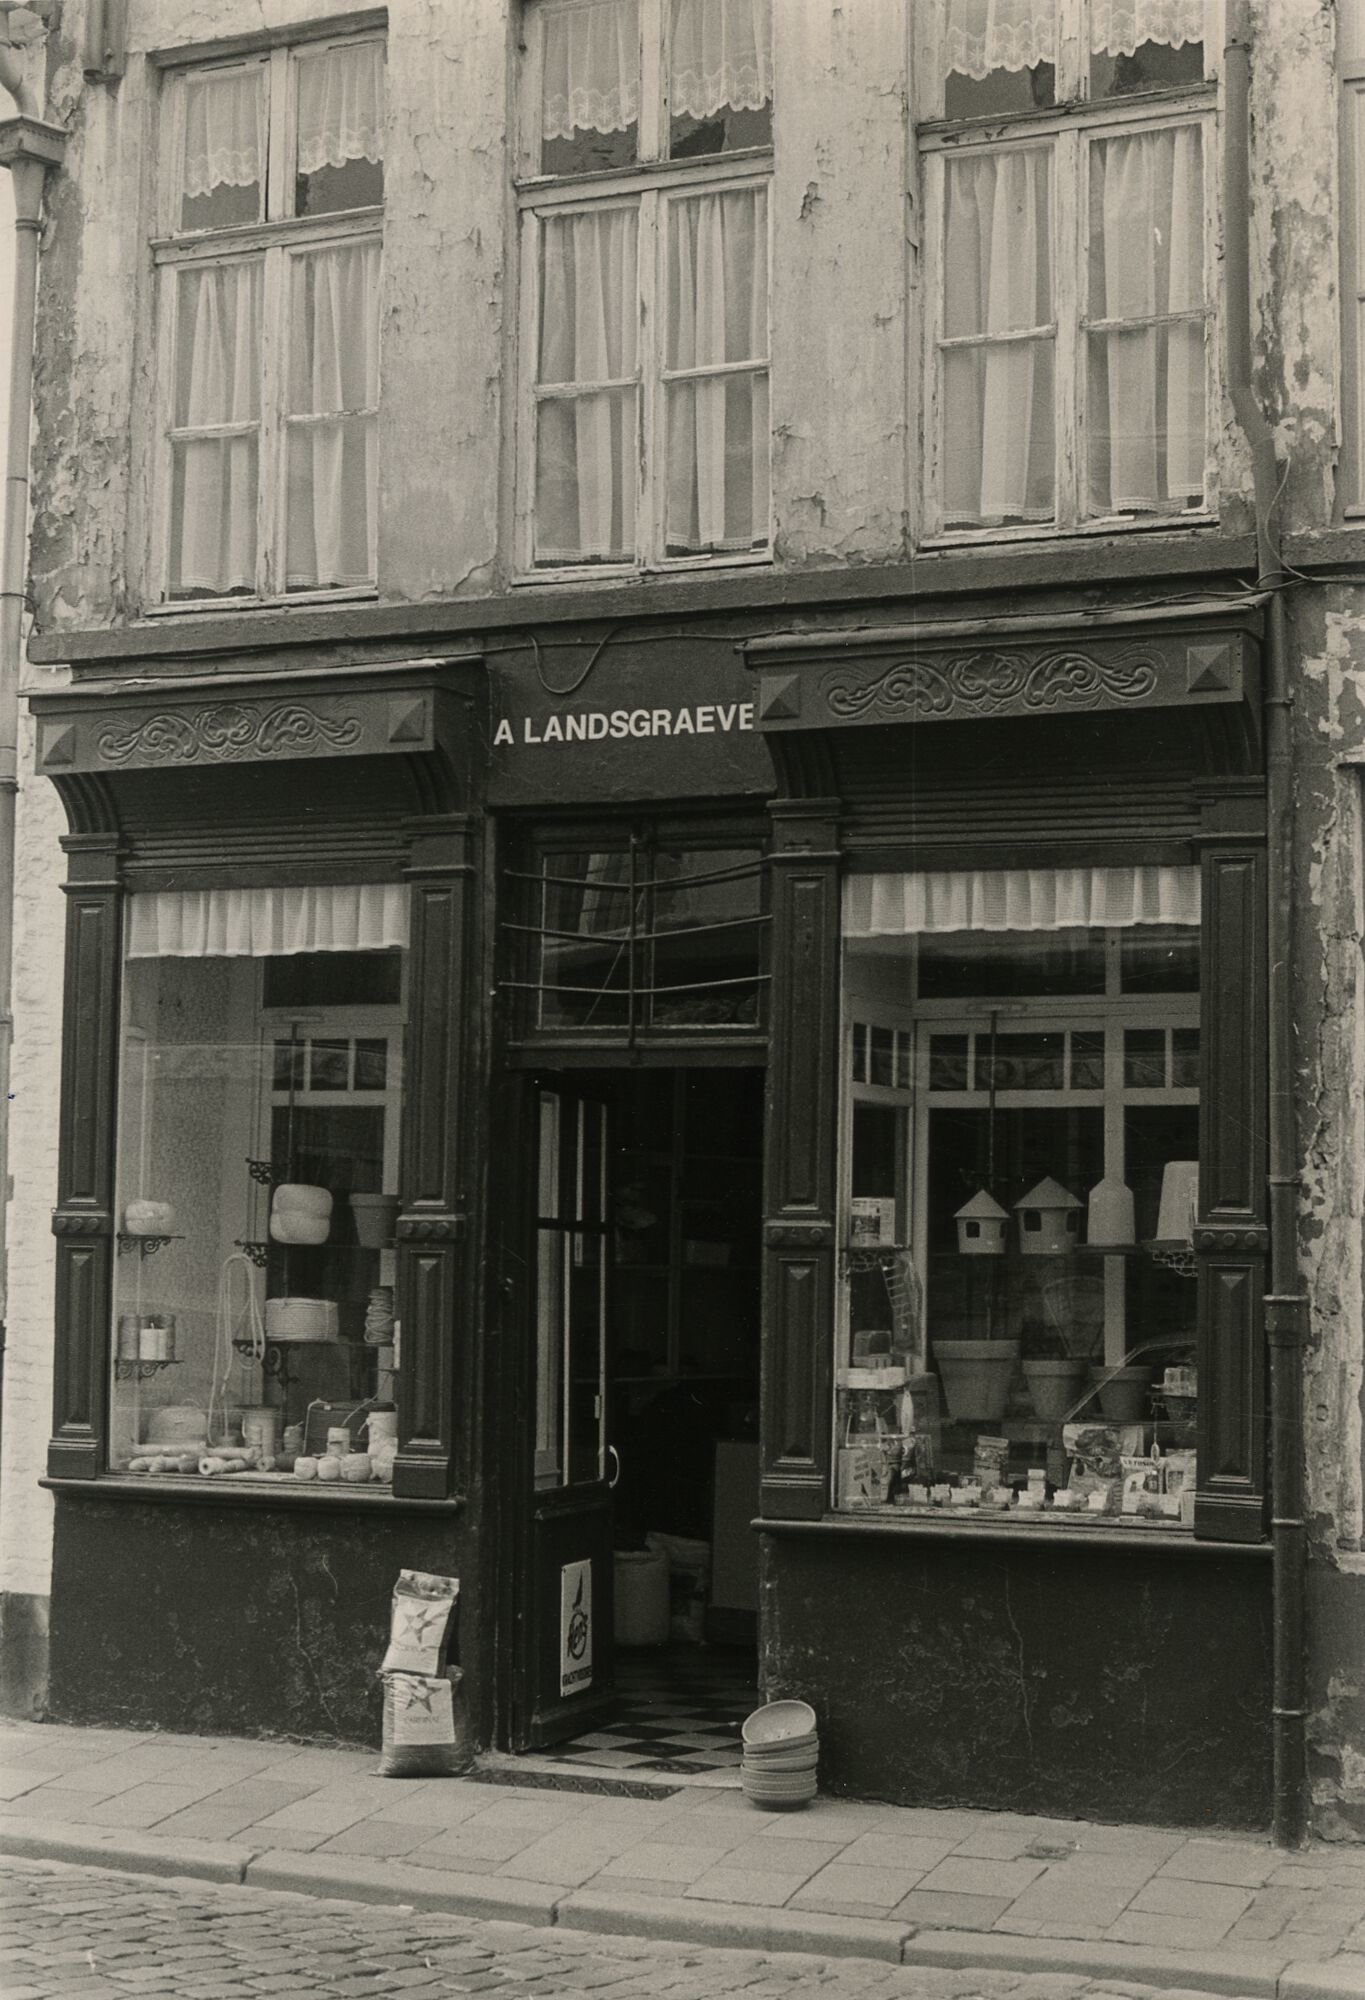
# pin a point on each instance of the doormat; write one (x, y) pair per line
(570, 1781)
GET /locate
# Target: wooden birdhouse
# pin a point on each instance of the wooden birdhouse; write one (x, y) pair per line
(981, 1226)
(1049, 1220)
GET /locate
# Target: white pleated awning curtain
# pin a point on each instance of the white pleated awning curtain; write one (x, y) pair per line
(1018, 899)
(267, 923)
(986, 35)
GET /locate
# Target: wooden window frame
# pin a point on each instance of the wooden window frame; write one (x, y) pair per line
(648, 187)
(274, 238)
(1067, 129)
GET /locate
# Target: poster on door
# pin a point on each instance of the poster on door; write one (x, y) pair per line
(575, 1627)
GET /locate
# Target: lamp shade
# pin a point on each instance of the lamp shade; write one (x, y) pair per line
(1109, 1219)
(1179, 1201)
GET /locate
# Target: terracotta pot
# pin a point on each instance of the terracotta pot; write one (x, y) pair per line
(977, 1375)
(375, 1218)
(1055, 1386)
(1122, 1393)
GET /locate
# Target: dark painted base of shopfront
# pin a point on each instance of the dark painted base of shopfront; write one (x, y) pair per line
(1082, 1682)
(237, 1619)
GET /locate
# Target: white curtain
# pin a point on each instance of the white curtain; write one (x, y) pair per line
(218, 373)
(720, 54)
(224, 129)
(985, 35)
(718, 424)
(1146, 384)
(586, 444)
(341, 107)
(334, 376)
(591, 60)
(998, 418)
(267, 923)
(1018, 899)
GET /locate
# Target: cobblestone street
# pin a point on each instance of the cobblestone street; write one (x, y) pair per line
(71, 1932)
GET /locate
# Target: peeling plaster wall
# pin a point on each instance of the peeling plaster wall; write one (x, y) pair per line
(839, 278)
(1329, 932)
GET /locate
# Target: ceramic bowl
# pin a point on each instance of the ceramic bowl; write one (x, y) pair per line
(778, 1722)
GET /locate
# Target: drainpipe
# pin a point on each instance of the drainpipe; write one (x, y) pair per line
(29, 147)
(1286, 1305)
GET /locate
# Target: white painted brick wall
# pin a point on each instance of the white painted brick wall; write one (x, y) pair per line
(39, 918)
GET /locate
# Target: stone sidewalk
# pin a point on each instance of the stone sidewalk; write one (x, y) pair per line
(913, 1886)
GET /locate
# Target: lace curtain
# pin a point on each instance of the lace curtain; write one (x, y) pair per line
(998, 405)
(1018, 899)
(591, 66)
(717, 304)
(720, 54)
(218, 380)
(224, 129)
(1146, 383)
(985, 35)
(586, 443)
(333, 439)
(267, 923)
(341, 107)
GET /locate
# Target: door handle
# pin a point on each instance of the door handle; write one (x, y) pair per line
(613, 1482)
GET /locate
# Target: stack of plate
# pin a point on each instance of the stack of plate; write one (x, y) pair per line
(781, 1751)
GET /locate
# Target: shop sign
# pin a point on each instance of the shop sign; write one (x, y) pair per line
(575, 1627)
(601, 725)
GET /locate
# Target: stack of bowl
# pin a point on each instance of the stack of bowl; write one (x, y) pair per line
(781, 1751)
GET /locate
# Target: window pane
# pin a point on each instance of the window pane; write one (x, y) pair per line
(1159, 958)
(707, 937)
(717, 312)
(333, 376)
(961, 964)
(210, 1096)
(998, 59)
(586, 444)
(720, 83)
(1144, 1058)
(1021, 1062)
(217, 383)
(948, 1062)
(997, 397)
(585, 953)
(1148, 66)
(1087, 1060)
(340, 159)
(222, 173)
(1185, 1058)
(590, 93)
(1146, 382)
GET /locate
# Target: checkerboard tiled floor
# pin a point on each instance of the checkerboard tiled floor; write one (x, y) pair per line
(679, 1710)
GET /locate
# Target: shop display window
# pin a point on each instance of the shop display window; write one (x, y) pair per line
(1019, 1179)
(260, 1100)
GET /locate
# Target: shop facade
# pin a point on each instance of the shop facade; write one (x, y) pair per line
(678, 929)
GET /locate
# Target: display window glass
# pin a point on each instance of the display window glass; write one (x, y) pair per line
(255, 1331)
(1019, 1176)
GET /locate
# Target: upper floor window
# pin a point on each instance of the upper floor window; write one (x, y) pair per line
(268, 343)
(1351, 31)
(1068, 170)
(644, 432)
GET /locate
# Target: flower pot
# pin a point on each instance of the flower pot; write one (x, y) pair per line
(1055, 1386)
(375, 1218)
(977, 1375)
(1122, 1393)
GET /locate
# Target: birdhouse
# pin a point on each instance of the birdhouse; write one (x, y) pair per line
(1049, 1220)
(981, 1226)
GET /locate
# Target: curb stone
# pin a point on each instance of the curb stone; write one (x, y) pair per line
(1248, 1975)
(115, 1847)
(1334, 1979)
(693, 1920)
(370, 1881)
